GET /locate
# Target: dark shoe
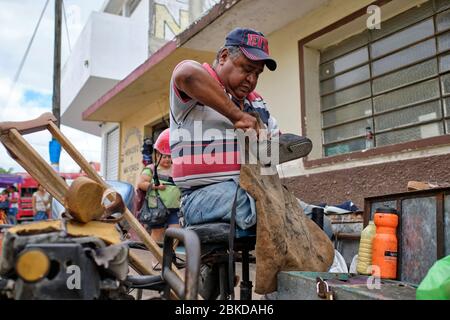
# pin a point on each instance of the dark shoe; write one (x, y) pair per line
(290, 147)
(293, 147)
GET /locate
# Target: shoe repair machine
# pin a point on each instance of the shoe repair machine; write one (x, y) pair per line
(85, 249)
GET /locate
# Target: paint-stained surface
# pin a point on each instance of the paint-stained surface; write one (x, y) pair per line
(418, 241)
(447, 225)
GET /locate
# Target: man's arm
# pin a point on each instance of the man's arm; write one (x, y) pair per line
(192, 79)
(145, 182)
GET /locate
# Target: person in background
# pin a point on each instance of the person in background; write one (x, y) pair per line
(169, 193)
(13, 204)
(147, 152)
(4, 204)
(41, 202)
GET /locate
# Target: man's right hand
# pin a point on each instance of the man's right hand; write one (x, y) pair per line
(246, 122)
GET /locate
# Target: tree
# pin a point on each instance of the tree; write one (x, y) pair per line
(9, 171)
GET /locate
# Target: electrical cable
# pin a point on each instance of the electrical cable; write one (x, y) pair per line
(65, 23)
(22, 63)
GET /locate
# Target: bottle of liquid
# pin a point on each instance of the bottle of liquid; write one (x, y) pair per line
(384, 254)
(365, 249)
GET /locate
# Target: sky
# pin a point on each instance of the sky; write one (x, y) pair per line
(32, 94)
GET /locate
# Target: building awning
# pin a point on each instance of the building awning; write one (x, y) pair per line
(147, 83)
(200, 41)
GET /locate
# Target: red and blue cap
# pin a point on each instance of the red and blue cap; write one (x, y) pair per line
(253, 45)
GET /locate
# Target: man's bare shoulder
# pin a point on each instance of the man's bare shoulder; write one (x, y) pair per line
(186, 64)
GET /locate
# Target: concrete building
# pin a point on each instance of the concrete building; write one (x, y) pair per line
(368, 81)
(113, 43)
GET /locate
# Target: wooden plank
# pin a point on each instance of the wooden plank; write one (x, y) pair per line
(26, 127)
(138, 265)
(32, 162)
(74, 153)
(366, 215)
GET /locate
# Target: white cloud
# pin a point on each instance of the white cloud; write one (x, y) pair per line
(19, 110)
(18, 20)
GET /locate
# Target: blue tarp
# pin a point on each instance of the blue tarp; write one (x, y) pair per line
(9, 179)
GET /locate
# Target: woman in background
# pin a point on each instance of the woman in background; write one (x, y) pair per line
(169, 193)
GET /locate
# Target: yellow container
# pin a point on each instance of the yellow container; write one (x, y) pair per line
(365, 249)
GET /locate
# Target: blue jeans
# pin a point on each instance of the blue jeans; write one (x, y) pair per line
(12, 215)
(213, 203)
(40, 215)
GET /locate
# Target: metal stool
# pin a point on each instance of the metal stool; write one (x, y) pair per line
(214, 251)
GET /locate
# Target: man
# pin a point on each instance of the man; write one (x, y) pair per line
(215, 100)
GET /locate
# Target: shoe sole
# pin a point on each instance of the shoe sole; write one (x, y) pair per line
(292, 150)
(296, 151)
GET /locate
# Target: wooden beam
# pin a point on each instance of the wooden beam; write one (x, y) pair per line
(74, 153)
(138, 265)
(33, 163)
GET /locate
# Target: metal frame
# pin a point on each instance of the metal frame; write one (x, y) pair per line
(218, 255)
(369, 62)
(188, 289)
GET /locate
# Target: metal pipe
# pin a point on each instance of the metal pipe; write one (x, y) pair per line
(189, 289)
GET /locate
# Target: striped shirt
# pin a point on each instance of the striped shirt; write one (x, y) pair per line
(204, 147)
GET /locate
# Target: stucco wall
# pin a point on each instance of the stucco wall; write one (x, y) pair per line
(132, 134)
(355, 184)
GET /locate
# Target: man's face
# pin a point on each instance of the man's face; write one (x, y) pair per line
(239, 74)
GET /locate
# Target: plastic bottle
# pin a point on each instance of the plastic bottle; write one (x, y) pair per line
(365, 249)
(384, 254)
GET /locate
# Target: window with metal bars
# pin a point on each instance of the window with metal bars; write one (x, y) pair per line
(388, 85)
